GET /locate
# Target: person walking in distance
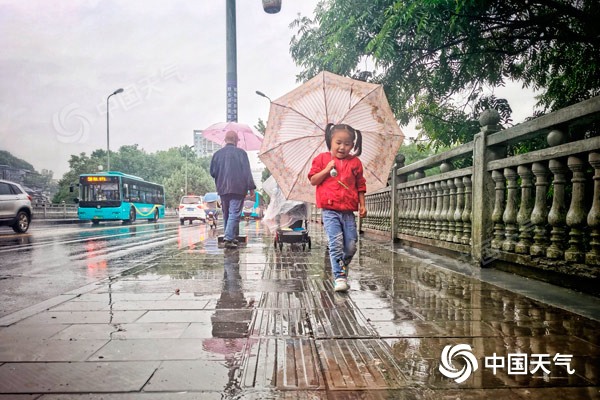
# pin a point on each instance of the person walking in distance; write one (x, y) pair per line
(341, 187)
(230, 169)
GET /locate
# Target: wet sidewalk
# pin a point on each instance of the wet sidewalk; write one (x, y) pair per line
(200, 322)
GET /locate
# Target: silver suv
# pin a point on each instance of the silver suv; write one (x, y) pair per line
(15, 206)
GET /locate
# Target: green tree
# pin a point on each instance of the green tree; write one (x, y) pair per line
(435, 58)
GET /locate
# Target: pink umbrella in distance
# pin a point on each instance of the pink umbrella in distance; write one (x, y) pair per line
(249, 140)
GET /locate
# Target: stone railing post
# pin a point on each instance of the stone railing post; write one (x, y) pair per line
(539, 215)
(483, 185)
(525, 209)
(558, 213)
(576, 216)
(460, 207)
(511, 231)
(395, 199)
(593, 218)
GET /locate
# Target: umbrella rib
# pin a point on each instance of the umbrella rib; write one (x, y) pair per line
(357, 103)
(311, 158)
(299, 113)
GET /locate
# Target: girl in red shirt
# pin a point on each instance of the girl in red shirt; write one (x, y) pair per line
(341, 187)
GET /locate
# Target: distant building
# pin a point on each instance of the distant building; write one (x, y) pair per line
(204, 147)
(13, 174)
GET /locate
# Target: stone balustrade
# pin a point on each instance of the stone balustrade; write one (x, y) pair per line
(539, 210)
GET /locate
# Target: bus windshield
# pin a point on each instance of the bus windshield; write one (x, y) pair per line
(100, 192)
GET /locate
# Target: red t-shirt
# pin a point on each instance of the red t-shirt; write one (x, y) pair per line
(339, 193)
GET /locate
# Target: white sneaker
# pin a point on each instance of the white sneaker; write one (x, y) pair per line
(341, 285)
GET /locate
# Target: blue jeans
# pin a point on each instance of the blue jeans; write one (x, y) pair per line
(232, 210)
(342, 235)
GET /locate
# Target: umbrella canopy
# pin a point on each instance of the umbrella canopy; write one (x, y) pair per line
(249, 140)
(296, 131)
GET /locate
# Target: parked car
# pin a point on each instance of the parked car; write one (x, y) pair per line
(191, 208)
(15, 206)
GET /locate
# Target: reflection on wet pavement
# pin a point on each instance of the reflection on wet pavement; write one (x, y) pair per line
(258, 322)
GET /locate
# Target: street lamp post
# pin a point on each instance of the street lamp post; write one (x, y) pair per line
(120, 90)
(186, 171)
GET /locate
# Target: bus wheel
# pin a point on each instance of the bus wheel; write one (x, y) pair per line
(131, 219)
(95, 222)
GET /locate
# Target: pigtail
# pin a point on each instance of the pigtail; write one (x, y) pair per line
(357, 143)
(328, 134)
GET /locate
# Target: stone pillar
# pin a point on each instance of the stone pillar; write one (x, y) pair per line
(539, 215)
(431, 211)
(451, 210)
(425, 203)
(525, 209)
(466, 215)
(593, 218)
(460, 206)
(510, 213)
(483, 185)
(439, 194)
(500, 188)
(445, 204)
(395, 199)
(576, 216)
(557, 217)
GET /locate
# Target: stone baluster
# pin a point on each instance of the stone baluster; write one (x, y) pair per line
(445, 204)
(460, 206)
(451, 210)
(558, 212)
(423, 211)
(409, 209)
(510, 213)
(525, 209)
(593, 218)
(576, 216)
(431, 211)
(417, 223)
(466, 215)
(439, 195)
(500, 186)
(539, 215)
(405, 204)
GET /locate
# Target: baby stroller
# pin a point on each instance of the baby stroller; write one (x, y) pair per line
(286, 218)
(211, 201)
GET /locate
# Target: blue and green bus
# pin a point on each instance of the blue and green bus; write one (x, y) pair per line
(114, 196)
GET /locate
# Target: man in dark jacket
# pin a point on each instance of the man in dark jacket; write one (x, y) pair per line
(230, 169)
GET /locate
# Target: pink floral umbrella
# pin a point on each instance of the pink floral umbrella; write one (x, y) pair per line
(295, 131)
(249, 140)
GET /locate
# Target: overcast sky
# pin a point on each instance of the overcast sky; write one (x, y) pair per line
(60, 60)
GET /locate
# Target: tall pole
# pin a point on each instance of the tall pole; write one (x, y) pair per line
(186, 171)
(232, 100)
(107, 128)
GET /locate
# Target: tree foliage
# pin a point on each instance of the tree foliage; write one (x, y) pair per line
(167, 167)
(436, 58)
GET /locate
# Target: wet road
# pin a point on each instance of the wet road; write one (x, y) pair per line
(52, 259)
(160, 312)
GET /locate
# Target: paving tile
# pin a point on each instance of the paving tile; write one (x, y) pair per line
(199, 375)
(83, 317)
(288, 364)
(359, 364)
(135, 396)
(82, 306)
(78, 377)
(280, 323)
(25, 332)
(169, 349)
(177, 316)
(48, 350)
(160, 305)
(122, 331)
(388, 329)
